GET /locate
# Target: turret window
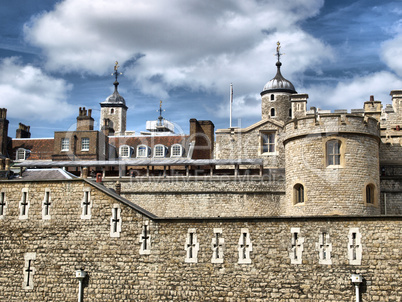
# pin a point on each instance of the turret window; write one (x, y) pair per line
(272, 111)
(272, 97)
(333, 152)
(298, 194)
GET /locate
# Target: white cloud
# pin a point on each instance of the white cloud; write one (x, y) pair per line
(352, 93)
(201, 45)
(28, 93)
(392, 54)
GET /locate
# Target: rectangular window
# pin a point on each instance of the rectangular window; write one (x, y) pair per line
(334, 152)
(3, 203)
(85, 144)
(65, 144)
(268, 142)
(124, 151)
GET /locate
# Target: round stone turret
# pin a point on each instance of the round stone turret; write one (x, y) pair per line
(332, 165)
(275, 96)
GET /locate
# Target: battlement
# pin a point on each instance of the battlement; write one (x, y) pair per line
(323, 123)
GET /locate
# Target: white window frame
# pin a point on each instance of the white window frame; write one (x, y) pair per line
(192, 246)
(217, 246)
(3, 199)
(140, 149)
(28, 257)
(324, 247)
(23, 152)
(46, 198)
(355, 255)
(159, 151)
(86, 197)
(85, 144)
(125, 151)
(65, 144)
(245, 247)
(116, 214)
(296, 250)
(145, 243)
(177, 152)
(24, 197)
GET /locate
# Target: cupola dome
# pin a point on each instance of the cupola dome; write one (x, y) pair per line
(278, 83)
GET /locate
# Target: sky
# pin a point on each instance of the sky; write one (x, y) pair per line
(57, 56)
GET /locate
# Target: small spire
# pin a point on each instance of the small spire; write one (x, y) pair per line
(116, 73)
(160, 118)
(278, 47)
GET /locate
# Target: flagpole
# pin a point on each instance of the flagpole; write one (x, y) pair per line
(231, 101)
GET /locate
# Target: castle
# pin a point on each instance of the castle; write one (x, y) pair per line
(287, 209)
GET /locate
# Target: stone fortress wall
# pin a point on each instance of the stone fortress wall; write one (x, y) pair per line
(280, 260)
(332, 189)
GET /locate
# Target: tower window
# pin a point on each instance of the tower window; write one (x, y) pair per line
(268, 142)
(370, 194)
(272, 97)
(333, 152)
(272, 111)
(112, 111)
(298, 194)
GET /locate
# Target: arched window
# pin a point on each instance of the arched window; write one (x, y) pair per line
(290, 112)
(160, 151)
(333, 152)
(298, 193)
(272, 111)
(370, 193)
(22, 154)
(112, 111)
(272, 97)
(177, 150)
(125, 151)
(143, 151)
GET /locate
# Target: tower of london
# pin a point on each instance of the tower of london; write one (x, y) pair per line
(290, 208)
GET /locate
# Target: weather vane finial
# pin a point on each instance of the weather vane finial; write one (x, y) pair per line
(160, 118)
(116, 73)
(278, 47)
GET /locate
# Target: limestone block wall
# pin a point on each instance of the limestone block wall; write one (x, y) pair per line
(257, 197)
(281, 104)
(118, 117)
(332, 189)
(119, 271)
(246, 143)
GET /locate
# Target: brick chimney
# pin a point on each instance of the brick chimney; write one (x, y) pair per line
(3, 131)
(23, 131)
(84, 120)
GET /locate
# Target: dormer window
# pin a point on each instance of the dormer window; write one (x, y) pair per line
(143, 151)
(177, 150)
(160, 151)
(22, 154)
(125, 151)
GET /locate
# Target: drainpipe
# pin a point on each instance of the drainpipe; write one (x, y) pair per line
(80, 275)
(356, 280)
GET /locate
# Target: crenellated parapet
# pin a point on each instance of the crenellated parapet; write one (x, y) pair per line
(332, 165)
